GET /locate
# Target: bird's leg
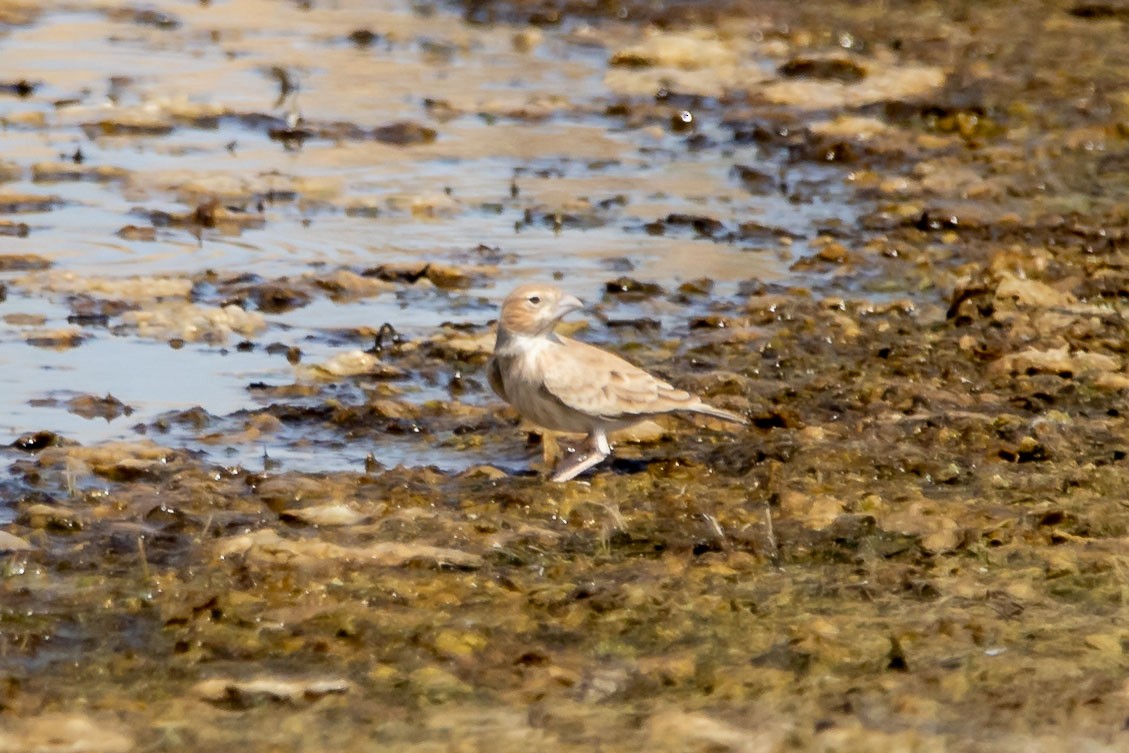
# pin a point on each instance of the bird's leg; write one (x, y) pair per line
(598, 450)
(599, 440)
(551, 449)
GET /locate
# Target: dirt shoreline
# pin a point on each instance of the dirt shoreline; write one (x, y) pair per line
(919, 545)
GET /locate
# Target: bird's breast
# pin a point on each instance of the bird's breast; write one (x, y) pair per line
(522, 370)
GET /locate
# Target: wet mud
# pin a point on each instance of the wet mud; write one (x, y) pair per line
(894, 237)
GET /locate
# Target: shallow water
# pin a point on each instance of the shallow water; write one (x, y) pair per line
(522, 136)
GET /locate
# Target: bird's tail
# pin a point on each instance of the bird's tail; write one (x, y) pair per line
(724, 415)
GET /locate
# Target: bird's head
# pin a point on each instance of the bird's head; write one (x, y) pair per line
(535, 309)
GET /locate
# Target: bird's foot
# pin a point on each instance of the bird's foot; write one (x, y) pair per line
(577, 464)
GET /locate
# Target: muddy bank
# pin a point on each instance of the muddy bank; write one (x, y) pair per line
(917, 545)
(920, 540)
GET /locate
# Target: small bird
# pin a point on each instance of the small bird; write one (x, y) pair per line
(566, 385)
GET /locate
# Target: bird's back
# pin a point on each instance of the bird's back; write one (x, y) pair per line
(600, 383)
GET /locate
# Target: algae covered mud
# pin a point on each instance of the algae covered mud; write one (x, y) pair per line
(238, 509)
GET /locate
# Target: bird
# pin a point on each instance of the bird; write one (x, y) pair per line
(567, 385)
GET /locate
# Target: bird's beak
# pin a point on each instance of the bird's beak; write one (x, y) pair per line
(566, 305)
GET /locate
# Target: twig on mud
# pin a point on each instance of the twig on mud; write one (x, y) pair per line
(204, 530)
(770, 536)
(617, 523)
(717, 531)
(144, 559)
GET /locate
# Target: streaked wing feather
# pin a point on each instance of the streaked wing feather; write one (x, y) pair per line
(599, 383)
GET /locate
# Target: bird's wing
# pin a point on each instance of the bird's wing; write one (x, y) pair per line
(494, 376)
(599, 383)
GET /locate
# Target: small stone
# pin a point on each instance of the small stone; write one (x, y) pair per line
(11, 543)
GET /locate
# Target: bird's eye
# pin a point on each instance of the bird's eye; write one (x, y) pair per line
(535, 300)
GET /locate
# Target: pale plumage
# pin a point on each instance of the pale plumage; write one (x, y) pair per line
(567, 385)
